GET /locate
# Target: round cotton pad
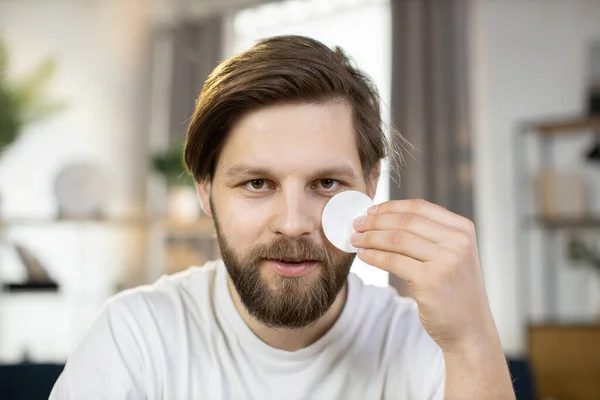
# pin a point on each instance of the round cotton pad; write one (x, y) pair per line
(339, 213)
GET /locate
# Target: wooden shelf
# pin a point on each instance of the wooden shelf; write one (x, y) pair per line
(589, 222)
(201, 225)
(566, 126)
(564, 324)
(50, 287)
(22, 221)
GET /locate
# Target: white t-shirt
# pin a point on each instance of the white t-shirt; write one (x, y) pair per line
(182, 339)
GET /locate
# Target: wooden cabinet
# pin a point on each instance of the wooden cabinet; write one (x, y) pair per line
(565, 360)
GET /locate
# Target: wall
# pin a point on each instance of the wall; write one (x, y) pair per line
(529, 62)
(101, 49)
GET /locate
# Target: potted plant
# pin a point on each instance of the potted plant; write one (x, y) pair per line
(24, 102)
(585, 255)
(182, 201)
(581, 252)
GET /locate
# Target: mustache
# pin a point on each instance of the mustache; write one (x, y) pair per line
(293, 250)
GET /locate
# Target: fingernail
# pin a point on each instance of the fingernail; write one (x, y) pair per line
(373, 209)
(356, 236)
(359, 221)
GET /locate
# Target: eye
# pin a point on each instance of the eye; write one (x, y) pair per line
(328, 184)
(256, 184)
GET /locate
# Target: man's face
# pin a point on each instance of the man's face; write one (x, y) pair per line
(277, 170)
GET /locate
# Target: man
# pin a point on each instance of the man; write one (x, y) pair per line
(277, 131)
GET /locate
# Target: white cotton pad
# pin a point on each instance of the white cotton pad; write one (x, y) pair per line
(339, 213)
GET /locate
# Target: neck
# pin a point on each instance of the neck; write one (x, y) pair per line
(291, 339)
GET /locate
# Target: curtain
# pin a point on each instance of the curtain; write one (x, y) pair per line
(429, 104)
(198, 48)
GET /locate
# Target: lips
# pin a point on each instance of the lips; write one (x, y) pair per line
(292, 268)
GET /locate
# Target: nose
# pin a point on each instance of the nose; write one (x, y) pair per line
(295, 214)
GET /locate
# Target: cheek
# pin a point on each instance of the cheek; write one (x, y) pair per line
(243, 223)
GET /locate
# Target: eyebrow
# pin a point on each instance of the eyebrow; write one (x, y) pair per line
(339, 171)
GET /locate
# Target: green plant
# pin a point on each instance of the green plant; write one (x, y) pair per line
(581, 252)
(169, 164)
(24, 101)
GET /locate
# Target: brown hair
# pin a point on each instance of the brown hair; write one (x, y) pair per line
(283, 69)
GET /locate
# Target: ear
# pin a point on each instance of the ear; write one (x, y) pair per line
(203, 190)
(373, 180)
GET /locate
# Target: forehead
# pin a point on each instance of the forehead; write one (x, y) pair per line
(293, 139)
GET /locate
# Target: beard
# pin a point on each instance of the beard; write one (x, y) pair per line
(284, 302)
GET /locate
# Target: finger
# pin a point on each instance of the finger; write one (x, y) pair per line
(413, 223)
(400, 265)
(399, 241)
(427, 209)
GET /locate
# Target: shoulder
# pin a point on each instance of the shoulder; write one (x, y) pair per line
(153, 315)
(169, 294)
(126, 344)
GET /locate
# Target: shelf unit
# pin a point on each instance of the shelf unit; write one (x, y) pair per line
(590, 222)
(172, 230)
(65, 312)
(544, 133)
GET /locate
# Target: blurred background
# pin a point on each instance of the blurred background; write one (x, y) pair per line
(501, 99)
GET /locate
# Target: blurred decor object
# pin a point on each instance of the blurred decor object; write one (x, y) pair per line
(37, 276)
(593, 154)
(81, 191)
(182, 201)
(594, 79)
(593, 100)
(562, 194)
(25, 101)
